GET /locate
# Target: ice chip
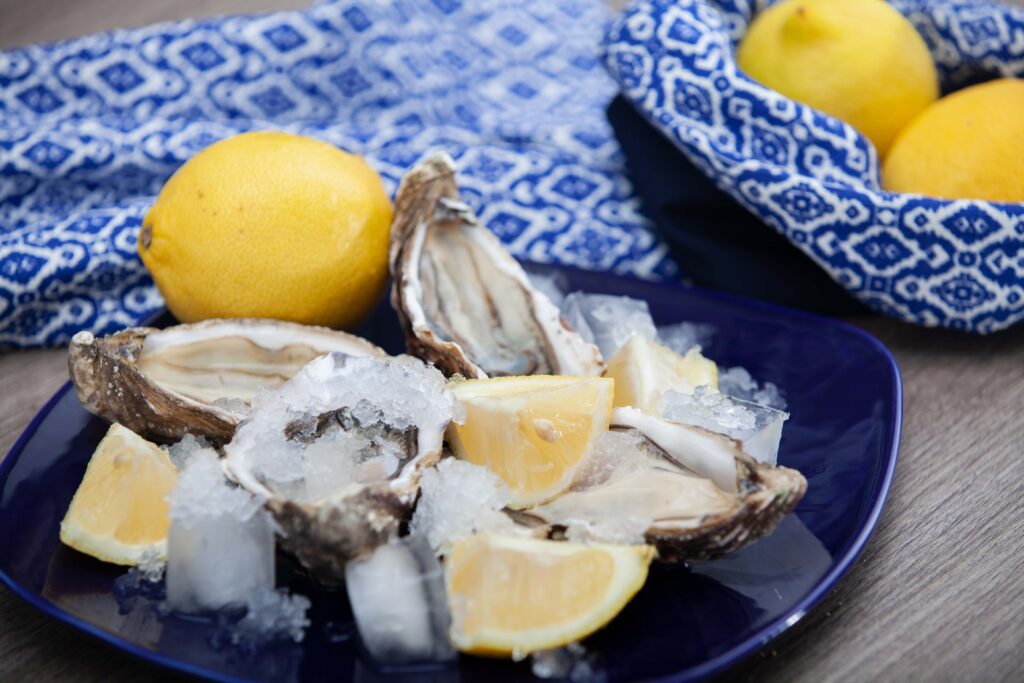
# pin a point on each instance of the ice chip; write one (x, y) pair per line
(399, 603)
(683, 336)
(220, 547)
(181, 452)
(458, 498)
(272, 615)
(151, 566)
(606, 320)
(757, 427)
(572, 663)
(738, 383)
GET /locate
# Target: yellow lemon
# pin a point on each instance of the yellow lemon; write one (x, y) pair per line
(644, 370)
(533, 432)
(513, 596)
(270, 225)
(968, 145)
(120, 509)
(859, 60)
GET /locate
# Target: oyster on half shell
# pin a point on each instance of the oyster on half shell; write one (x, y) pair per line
(338, 450)
(199, 378)
(464, 303)
(693, 493)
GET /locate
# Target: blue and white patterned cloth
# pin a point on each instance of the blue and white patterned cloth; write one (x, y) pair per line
(957, 264)
(90, 129)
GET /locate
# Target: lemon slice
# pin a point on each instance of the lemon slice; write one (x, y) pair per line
(644, 370)
(531, 431)
(512, 595)
(120, 509)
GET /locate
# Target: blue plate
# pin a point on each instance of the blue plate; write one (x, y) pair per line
(687, 623)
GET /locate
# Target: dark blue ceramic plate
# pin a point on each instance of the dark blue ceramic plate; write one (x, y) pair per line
(687, 623)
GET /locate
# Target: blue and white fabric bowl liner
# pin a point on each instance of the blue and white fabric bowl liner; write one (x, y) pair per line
(957, 264)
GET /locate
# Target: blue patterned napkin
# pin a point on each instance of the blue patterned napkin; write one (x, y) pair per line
(91, 128)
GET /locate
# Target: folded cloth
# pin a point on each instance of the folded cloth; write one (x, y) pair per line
(814, 179)
(91, 128)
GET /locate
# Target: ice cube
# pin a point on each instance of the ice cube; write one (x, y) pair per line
(552, 285)
(683, 336)
(758, 427)
(738, 383)
(399, 602)
(220, 548)
(607, 320)
(459, 498)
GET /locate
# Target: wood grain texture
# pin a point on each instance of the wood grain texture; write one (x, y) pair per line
(936, 596)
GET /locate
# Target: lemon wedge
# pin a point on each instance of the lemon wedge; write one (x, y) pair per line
(644, 370)
(120, 509)
(513, 595)
(531, 431)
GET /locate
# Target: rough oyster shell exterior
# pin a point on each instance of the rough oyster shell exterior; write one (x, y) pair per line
(110, 382)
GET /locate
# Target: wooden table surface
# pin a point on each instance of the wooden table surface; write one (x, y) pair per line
(938, 594)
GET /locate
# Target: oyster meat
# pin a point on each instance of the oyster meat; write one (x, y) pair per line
(694, 494)
(463, 302)
(338, 450)
(199, 378)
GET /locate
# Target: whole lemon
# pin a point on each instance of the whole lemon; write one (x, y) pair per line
(968, 145)
(270, 225)
(859, 60)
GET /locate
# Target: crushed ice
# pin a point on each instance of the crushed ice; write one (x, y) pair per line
(608, 321)
(458, 498)
(344, 420)
(758, 427)
(683, 336)
(572, 663)
(738, 383)
(271, 615)
(710, 410)
(182, 451)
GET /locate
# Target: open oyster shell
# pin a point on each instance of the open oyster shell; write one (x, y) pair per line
(696, 492)
(195, 379)
(338, 451)
(464, 303)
